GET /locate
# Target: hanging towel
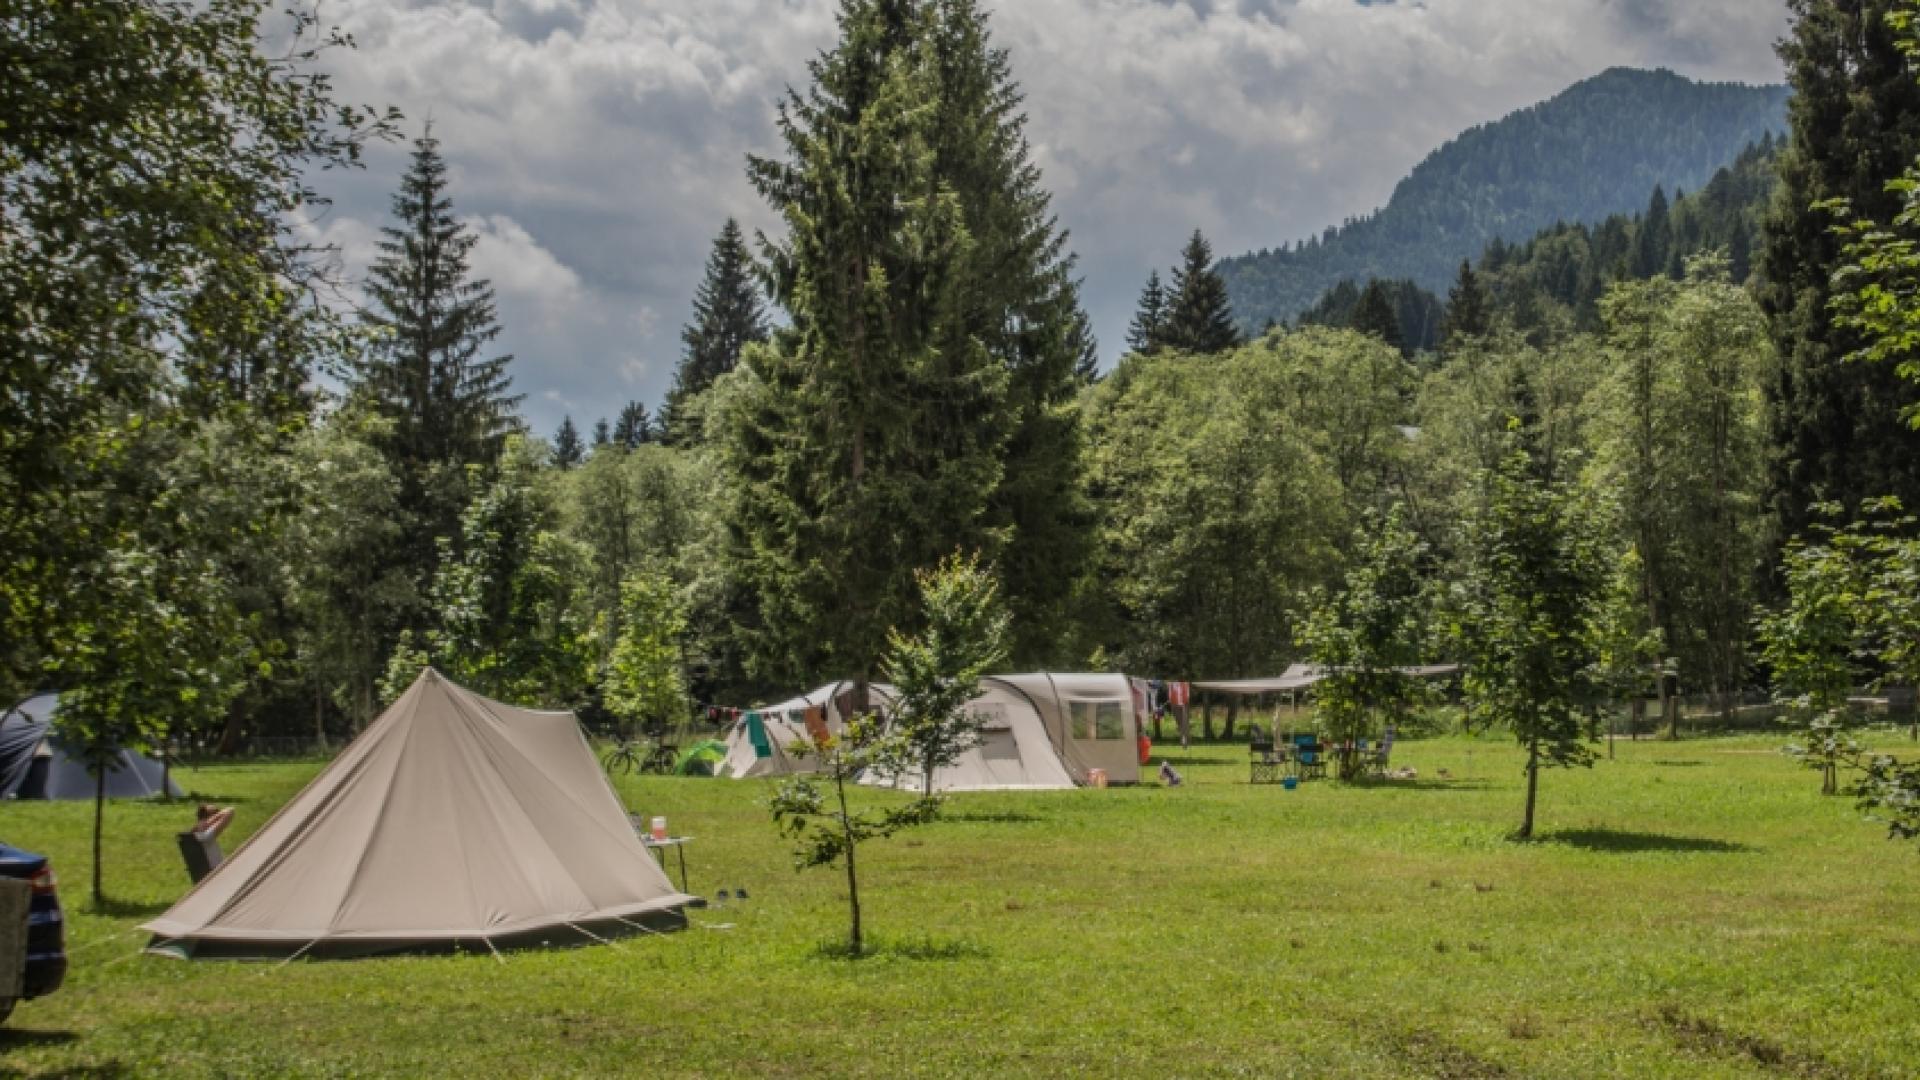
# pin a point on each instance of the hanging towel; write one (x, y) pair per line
(816, 720)
(757, 735)
(1177, 693)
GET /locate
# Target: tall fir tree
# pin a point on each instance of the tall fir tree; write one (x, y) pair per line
(1149, 319)
(1375, 316)
(1023, 306)
(567, 447)
(921, 401)
(633, 427)
(1469, 313)
(728, 315)
(1199, 318)
(447, 403)
(869, 447)
(1835, 426)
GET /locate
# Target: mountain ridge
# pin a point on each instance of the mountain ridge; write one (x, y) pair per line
(1593, 150)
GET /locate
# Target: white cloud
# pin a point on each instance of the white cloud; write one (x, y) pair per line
(599, 144)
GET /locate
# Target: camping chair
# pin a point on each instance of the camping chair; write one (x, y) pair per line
(1265, 762)
(1309, 758)
(1376, 760)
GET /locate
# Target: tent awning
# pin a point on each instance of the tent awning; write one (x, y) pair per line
(1304, 676)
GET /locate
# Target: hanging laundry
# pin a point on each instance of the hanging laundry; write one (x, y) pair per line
(757, 735)
(1177, 693)
(816, 721)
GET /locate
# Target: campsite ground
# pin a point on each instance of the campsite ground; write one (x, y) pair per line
(1694, 909)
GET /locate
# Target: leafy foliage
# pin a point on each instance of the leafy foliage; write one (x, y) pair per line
(1363, 636)
(1523, 616)
(643, 682)
(937, 672)
(1837, 428)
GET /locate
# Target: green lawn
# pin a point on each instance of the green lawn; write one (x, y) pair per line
(1696, 909)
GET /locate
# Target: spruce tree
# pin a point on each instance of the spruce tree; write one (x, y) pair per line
(727, 316)
(1375, 316)
(1835, 426)
(602, 433)
(918, 404)
(1652, 239)
(567, 449)
(633, 427)
(1468, 309)
(1149, 319)
(1199, 318)
(871, 444)
(446, 402)
(1024, 307)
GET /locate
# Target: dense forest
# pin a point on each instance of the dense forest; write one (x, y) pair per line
(1552, 283)
(1594, 150)
(211, 542)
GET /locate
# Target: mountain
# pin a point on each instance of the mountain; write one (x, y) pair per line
(1594, 150)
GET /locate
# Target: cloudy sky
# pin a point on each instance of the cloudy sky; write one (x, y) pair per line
(597, 145)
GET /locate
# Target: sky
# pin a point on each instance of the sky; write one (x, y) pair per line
(596, 146)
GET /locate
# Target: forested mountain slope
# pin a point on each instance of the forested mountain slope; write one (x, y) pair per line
(1594, 150)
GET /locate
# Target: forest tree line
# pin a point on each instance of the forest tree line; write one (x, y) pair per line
(205, 544)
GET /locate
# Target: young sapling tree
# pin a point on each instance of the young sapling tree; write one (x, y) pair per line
(815, 813)
(938, 671)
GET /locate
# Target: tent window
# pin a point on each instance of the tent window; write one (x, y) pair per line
(1082, 713)
(1111, 721)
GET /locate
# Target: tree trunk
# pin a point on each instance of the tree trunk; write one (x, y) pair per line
(99, 823)
(1636, 715)
(1206, 720)
(1233, 710)
(854, 941)
(1186, 726)
(1533, 789)
(320, 717)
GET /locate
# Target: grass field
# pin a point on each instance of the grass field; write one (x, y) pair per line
(1694, 909)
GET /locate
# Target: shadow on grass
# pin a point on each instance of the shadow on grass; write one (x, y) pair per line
(996, 817)
(1183, 760)
(1678, 764)
(124, 909)
(922, 948)
(1623, 841)
(11, 1038)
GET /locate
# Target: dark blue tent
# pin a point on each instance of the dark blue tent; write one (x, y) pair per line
(34, 764)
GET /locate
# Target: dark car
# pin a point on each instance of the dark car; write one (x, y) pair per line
(46, 928)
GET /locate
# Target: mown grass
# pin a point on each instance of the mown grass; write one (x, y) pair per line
(1693, 909)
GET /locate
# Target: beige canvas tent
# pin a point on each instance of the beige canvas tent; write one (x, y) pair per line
(786, 723)
(453, 819)
(1042, 731)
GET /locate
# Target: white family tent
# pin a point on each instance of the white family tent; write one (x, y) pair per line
(34, 764)
(451, 820)
(1043, 731)
(767, 752)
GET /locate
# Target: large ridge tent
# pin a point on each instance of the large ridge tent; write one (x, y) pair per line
(786, 723)
(37, 765)
(451, 820)
(1044, 731)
